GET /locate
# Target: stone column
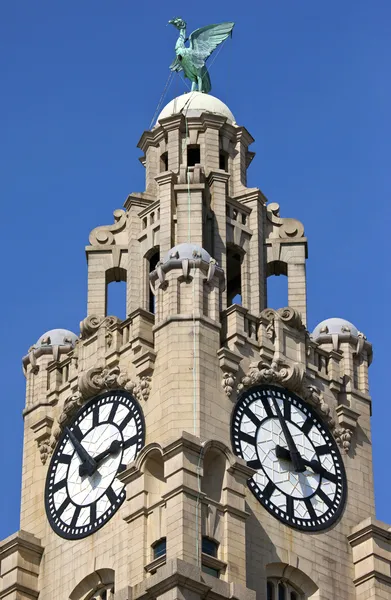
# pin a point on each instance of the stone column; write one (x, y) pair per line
(297, 294)
(217, 182)
(165, 182)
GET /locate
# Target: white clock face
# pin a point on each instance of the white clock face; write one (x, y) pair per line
(82, 490)
(300, 475)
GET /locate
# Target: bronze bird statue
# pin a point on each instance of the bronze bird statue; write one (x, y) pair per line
(202, 42)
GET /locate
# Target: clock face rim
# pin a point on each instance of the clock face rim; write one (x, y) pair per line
(135, 407)
(253, 486)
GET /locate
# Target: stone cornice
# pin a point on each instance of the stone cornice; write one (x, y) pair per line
(21, 540)
(249, 195)
(244, 136)
(218, 176)
(138, 200)
(166, 177)
(370, 528)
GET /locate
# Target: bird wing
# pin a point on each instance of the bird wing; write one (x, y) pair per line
(206, 39)
(176, 65)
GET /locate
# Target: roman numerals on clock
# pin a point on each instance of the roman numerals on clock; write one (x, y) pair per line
(83, 490)
(300, 477)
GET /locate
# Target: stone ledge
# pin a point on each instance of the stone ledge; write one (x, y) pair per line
(178, 573)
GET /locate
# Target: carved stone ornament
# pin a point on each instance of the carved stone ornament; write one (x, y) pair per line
(288, 315)
(291, 228)
(228, 383)
(44, 450)
(92, 323)
(105, 234)
(92, 382)
(343, 436)
(291, 377)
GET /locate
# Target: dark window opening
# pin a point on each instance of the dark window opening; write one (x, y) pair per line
(152, 266)
(281, 591)
(294, 596)
(270, 590)
(164, 162)
(159, 548)
(234, 277)
(193, 156)
(223, 161)
(210, 571)
(209, 546)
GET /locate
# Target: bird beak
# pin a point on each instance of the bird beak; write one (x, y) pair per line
(170, 22)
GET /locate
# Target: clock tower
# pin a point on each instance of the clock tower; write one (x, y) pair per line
(208, 445)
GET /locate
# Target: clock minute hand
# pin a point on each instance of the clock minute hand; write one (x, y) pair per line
(295, 454)
(88, 465)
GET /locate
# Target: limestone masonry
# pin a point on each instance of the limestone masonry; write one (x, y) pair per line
(227, 424)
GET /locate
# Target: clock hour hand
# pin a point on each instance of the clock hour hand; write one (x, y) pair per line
(114, 447)
(88, 465)
(293, 451)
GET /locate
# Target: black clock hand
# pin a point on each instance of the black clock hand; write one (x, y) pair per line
(315, 465)
(85, 469)
(293, 451)
(114, 447)
(88, 465)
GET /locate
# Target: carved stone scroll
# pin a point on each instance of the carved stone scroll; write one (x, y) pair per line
(285, 227)
(92, 323)
(105, 234)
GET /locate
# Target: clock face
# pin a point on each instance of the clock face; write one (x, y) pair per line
(300, 475)
(82, 492)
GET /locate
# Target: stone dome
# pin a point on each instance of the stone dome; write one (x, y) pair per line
(332, 326)
(57, 337)
(193, 104)
(187, 250)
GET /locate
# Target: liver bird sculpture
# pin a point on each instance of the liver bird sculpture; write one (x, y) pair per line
(191, 59)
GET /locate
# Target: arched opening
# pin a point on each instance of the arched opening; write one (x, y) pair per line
(154, 477)
(285, 582)
(193, 155)
(234, 275)
(115, 301)
(164, 162)
(96, 586)
(213, 474)
(277, 284)
(152, 260)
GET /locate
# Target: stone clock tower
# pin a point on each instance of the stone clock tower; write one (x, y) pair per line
(208, 446)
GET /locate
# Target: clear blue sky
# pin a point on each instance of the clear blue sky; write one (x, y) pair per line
(81, 82)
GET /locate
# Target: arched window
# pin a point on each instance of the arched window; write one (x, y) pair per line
(98, 585)
(104, 594)
(282, 590)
